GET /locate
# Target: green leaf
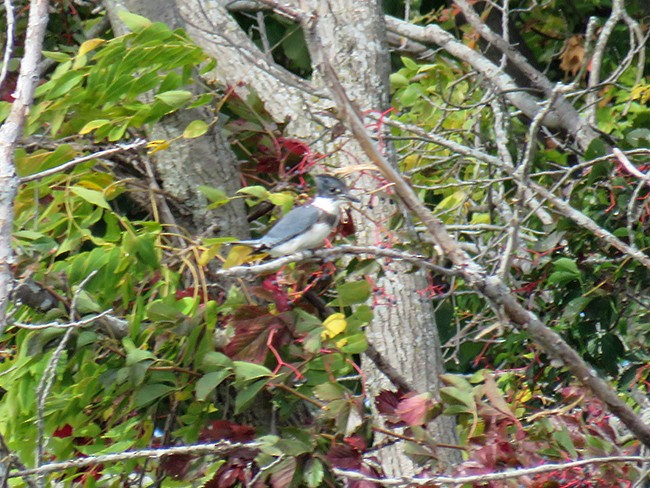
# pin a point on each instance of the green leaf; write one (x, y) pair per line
(313, 473)
(246, 395)
(164, 311)
(409, 63)
(361, 316)
(175, 98)
(574, 307)
(354, 344)
(638, 137)
(195, 129)
(215, 195)
(563, 438)
(209, 382)
(328, 392)
(150, 393)
(59, 57)
(596, 149)
(134, 22)
(245, 371)
(411, 94)
(65, 83)
(352, 293)
(92, 125)
(138, 355)
(144, 247)
(398, 80)
(461, 399)
(91, 196)
(282, 199)
(258, 192)
(566, 265)
(213, 359)
(566, 270)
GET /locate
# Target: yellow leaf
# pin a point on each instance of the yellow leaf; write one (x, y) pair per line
(480, 218)
(641, 93)
(524, 395)
(451, 202)
(183, 395)
(208, 254)
(155, 146)
(89, 45)
(334, 325)
(410, 162)
(572, 55)
(237, 256)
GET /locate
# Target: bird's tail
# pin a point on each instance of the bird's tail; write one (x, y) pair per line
(253, 243)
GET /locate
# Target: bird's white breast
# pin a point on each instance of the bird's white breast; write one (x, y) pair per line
(310, 240)
(328, 205)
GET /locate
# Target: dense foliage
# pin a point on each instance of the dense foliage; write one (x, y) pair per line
(180, 360)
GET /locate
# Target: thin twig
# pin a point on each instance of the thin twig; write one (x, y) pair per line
(138, 143)
(597, 58)
(627, 164)
(67, 325)
(45, 385)
(9, 43)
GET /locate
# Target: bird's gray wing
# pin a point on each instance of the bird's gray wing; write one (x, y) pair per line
(292, 224)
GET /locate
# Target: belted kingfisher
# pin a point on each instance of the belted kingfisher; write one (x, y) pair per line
(307, 226)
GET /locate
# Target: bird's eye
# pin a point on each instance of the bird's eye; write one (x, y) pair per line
(335, 190)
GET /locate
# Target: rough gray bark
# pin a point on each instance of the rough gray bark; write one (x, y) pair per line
(353, 36)
(190, 163)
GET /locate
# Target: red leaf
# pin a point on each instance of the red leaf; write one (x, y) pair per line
(280, 295)
(344, 457)
(283, 475)
(294, 146)
(225, 429)
(415, 410)
(64, 431)
(346, 226)
(387, 401)
(237, 468)
(252, 326)
(357, 442)
(370, 473)
(176, 465)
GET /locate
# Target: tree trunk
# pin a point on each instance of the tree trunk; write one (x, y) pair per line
(404, 329)
(190, 163)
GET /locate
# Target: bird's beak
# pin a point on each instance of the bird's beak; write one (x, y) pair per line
(352, 198)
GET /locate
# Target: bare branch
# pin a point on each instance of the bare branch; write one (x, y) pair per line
(67, 325)
(45, 385)
(627, 164)
(476, 277)
(138, 143)
(563, 114)
(515, 473)
(276, 264)
(10, 132)
(9, 43)
(222, 447)
(559, 204)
